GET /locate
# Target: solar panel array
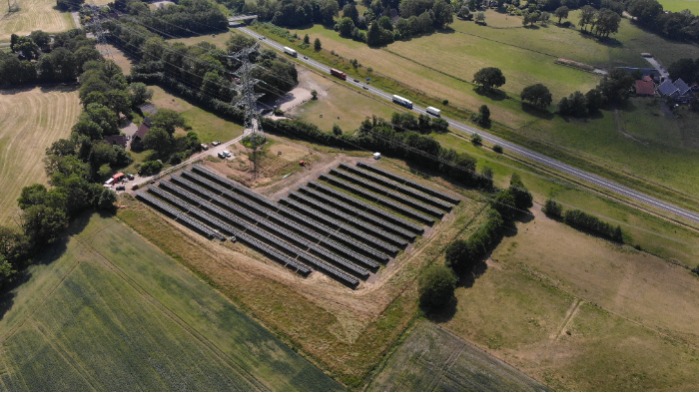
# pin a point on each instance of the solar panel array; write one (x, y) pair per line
(346, 226)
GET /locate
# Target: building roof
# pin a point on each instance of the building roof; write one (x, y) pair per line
(667, 88)
(682, 86)
(116, 140)
(647, 78)
(644, 88)
(141, 132)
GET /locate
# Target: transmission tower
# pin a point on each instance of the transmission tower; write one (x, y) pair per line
(247, 98)
(98, 30)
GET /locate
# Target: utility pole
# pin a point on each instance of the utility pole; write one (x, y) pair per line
(247, 98)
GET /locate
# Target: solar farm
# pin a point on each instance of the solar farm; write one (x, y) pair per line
(346, 224)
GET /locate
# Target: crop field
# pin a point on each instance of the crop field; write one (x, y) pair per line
(432, 359)
(33, 15)
(30, 121)
(207, 125)
(680, 5)
(579, 313)
(153, 325)
(346, 331)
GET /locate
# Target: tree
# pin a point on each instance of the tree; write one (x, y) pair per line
(140, 93)
(106, 200)
(646, 11)
(317, 45)
(537, 95)
(483, 116)
(476, 140)
(350, 11)
(686, 68)
(337, 131)
(489, 77)
(43, 224)
(606, 22)
(506, 205)
(306, 39)
(587, 16)
(345, 27)
(552, 209)
(443, 14)
(544, 18)
(459, 257)
(42, 39)
(437, 285)
(159, 140)
(168, 120)
(373, 36)
(149, 168)
(464, 13)
(480, 17)
(574, 105)
(26, 48)
(561, 13)
(523, 198)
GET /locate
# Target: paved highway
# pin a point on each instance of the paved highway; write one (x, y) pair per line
(511, 147)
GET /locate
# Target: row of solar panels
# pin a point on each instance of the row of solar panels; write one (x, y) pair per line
(409, 183)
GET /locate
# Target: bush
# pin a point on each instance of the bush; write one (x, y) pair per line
(592, 225)
(497, 149)
(459, 256)
(476, 140)
(552, 209)
(523, 198)
(437, 285)
(149, 168)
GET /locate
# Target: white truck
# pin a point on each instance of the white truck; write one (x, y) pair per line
(403, 101)
(433, 111)
(290, 52)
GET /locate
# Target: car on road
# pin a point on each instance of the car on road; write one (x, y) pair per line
(261, 38)
(204, 146)
(121, 187)
(365, 87)
(215, 143)
(130, 176)
(356, 80)
(226, 153)
(305, 57)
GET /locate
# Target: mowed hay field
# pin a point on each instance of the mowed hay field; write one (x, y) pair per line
(30, 121)
(432, 359)
(33, 15)
(112, 312)
(580, 313)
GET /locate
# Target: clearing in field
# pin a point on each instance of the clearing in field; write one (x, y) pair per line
(433, 360)
(337, 103)
(208, 126)
(117, 56)
(30, 121)
(153, 325)
(33, 15)
(579, 313)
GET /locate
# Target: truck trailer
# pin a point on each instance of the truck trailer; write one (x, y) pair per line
(403, 101)
(433, 111)
(338, 74)
(290, 52)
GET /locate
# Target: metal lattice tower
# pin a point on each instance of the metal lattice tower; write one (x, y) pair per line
(96, 27)
(247, 98)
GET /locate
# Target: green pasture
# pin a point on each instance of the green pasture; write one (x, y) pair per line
(112, 312)
(681, 5)
(432, 359)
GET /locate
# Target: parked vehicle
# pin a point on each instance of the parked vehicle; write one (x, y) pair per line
(433, 111)
(290, 52)
(204, 146)
(403, 101)
(215, 143)
(338, 74)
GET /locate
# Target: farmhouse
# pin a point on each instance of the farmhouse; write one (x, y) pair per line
(141, 132)
(644, 87)
(119, 140)
(678, 91)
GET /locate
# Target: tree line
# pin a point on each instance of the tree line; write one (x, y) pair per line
(183, 19)
(583, 221)
(462, 256)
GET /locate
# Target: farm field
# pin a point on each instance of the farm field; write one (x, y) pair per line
(347, 331)
(153, 325)
(432, 359)
(33, 15)
(579, 313)
(681, 5)
(31, 120)
(207, 125)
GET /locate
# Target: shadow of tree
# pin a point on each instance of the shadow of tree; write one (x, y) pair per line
(493, 94)
(534, 111)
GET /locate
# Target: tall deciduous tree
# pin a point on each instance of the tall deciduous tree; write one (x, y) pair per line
(489, 77)
(537, 95)
(437, 285)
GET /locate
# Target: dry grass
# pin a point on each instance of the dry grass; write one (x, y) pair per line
(345, 331)
(33, 15)
(117, 56)
(30, 121)
(579, 313)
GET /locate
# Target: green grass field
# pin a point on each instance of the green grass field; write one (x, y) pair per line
(112, 312)
(432, 359)
(680, 5)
